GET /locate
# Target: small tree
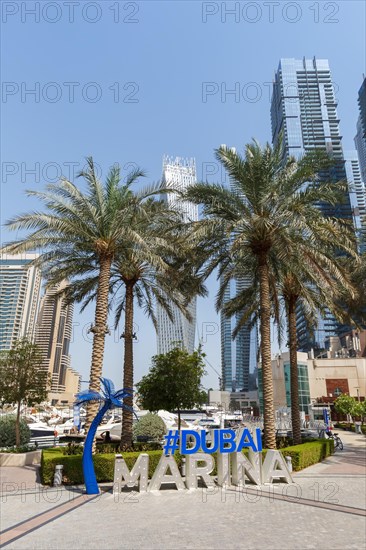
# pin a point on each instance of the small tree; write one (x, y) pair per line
(344, 404)
(174, 382)
(7, 431)
(150, 425)
(359, 409)
(21, 378)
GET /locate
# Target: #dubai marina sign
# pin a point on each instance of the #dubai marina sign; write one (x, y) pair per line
(233, 467)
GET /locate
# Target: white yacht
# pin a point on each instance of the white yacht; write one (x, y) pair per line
(37, 427)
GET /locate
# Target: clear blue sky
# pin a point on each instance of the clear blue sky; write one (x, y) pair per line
(148, 62)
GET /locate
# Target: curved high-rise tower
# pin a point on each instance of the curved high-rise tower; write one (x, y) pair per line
(178, 173)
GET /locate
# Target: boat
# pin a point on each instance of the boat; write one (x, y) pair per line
(39, 428)
(209, 423)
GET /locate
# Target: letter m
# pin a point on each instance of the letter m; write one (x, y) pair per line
(139, 473)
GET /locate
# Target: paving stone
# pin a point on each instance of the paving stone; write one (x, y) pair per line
(218, 519)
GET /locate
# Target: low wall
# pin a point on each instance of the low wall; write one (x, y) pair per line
(20, 459)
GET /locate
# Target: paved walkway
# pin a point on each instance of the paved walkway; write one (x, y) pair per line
(325, 508)
(25, 478)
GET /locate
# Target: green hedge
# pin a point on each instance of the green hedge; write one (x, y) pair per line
(302, 456)
(309, 453)
(103, 465)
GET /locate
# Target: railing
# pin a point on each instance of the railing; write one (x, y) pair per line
(45, 441)
(283, 425)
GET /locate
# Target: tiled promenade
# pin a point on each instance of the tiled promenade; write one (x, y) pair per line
(325, 508)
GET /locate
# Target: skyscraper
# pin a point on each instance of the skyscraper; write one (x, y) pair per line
(246, 348)
(360, 143)
(20, 285)
(357, 195)
(227, 381)
(360, 139)
(178, 173)
(53, 336)
(241, 352)
(304, 110)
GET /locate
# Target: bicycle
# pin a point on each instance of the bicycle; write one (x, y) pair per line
(338, 444)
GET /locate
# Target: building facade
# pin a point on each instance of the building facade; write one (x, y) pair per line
(360, 139)
(227, 374)
(360, 144)
(357, 196)
(241, 352)
(331, 377)
(281, 382)
(319, 380)
(53, 336)
(304, 113)
(20, 284)
(178, 173)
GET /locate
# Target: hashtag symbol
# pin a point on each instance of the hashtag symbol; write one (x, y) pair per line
(171, 444)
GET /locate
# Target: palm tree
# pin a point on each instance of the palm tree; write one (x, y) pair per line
(144, 272)
(79, 229)
(150, 270)
(267, 208)
(109, 399)
(313, 280)
(355, 305)
(143, 283)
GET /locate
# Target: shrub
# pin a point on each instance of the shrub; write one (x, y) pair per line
(115, 447)
(73, 449)
(7, 431)
(19, 450)
(107, 448)
(151, 426)
(103, 465)
(150, 446)
(283, 441)
(309, 453)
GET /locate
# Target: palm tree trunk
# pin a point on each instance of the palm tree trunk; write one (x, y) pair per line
(265, 330)
(127, 415)
(294, 375)
(90, 479)
(17, 426)
(99, 331)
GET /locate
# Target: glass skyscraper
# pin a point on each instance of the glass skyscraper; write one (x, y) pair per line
(178, 173)
(304, 110)
(241, 352)
(360, 139)
(357, 195)
(20, 285)
(360, 143)
(227, 374)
